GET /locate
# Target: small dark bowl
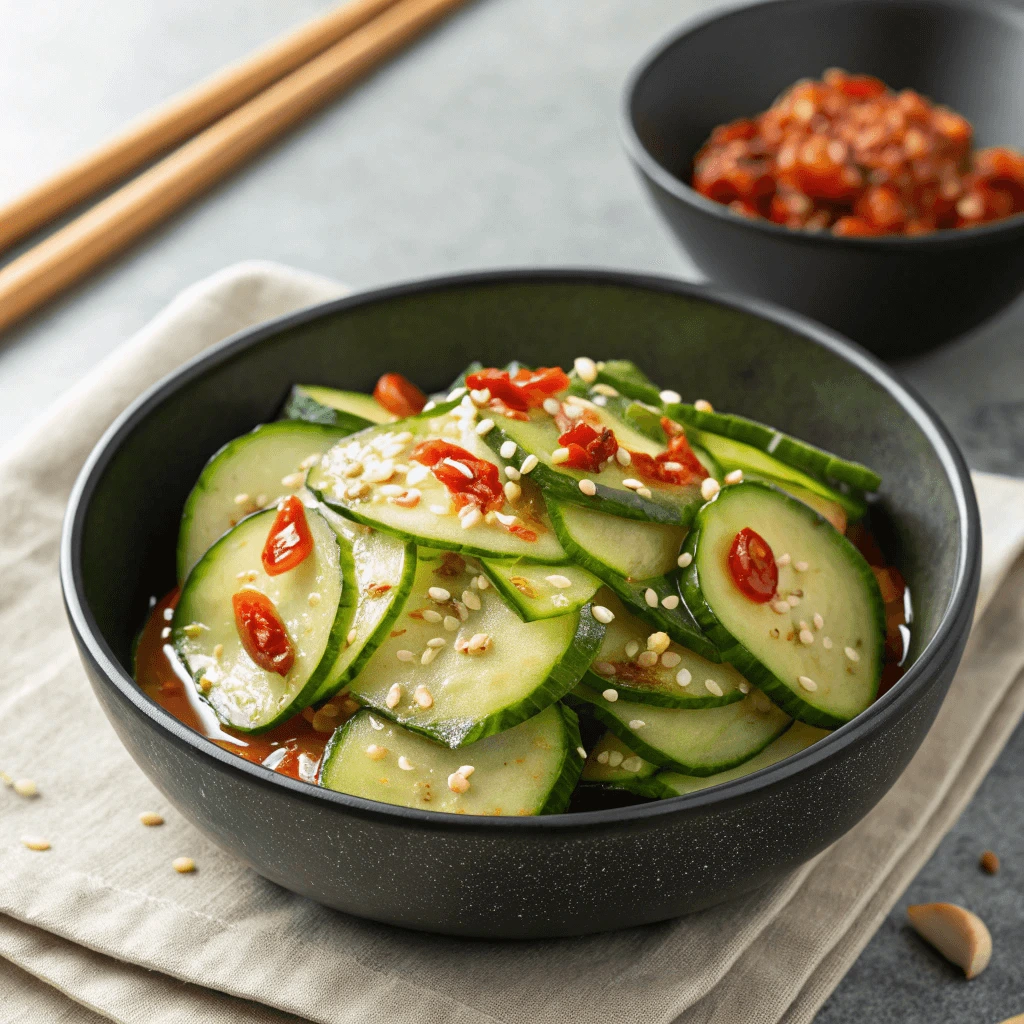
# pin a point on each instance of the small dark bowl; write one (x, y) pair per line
(563, 874)
(895, 295)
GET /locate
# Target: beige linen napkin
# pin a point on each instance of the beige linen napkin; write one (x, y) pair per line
(103, 919)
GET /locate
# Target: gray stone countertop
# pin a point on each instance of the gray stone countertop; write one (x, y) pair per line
(491, 143)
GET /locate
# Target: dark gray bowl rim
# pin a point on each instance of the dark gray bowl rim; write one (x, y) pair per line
(917, 678)
(677, 187)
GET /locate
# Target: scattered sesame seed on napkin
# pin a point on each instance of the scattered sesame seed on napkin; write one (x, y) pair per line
(100, 927)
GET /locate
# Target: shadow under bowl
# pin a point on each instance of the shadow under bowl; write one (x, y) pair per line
(895, 295)
(563, 874)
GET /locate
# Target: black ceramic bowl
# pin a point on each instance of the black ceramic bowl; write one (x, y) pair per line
(895, 295)
(563, 874)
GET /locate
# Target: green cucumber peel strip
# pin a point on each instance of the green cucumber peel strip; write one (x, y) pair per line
(789, 696)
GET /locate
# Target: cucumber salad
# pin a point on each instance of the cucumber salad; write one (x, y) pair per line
(536, 591)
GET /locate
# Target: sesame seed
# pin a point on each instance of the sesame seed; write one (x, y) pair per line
(552, 406)
(513, 474)
(780, 607)
(632, 484)
(744, 686)
(560, 600)
(645, 492)
(631, 648)
(581, 752)
(461, 467)
(670, 396)
(783, 559)
(647, 659)
(404, 655)
(376, 753)
(807, 683)
(479, 643)
(429, 615)
(484, 427)
(703, 405)
(466, 770)
(622, 457)
(394, 695)
(375, 724)
(438, 594)
(610, 695)
(605, 389)
(410, 499)
(416, 475)
(529, 464)
(671, 602)
(827, 643)
(481, 396)
(507, 449)
(451, 623)
(573, 412)
(792, 600)
(482, 582)
(471, 600)
(709, 488)
(651, 597)
(462, 611)
(683, 677)
(673, 466)
(405, 764)
(437, 641)
(183, 865)
(205, 683)
(423, 697)
(614, 758)
(293, 480)
(670, 659)
(458, 783)
(381, 472)
(35, 843)
(806, 636)
(26, 788)
(602, 614)
(801, 566)
(457, 393)
(712, 687)
(588, 487)
(314, 599)
(851, 654)
(658, 642)
(632, 764)
(428, 655)
(636, 723)
(602, 758)
(194, 629)
(734, 477)
(819, 622)
(586, 368)
(440, 510)
(242, 499)
(684, 559)
(559, 455)
(151, 819)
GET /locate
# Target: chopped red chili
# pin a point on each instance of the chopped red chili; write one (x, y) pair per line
(676, 465)
(525, 390)
(752, 566)
(479, 485)
(848, 154)
(289, 542)
(399, 395)
(588, 448)
(264, 636)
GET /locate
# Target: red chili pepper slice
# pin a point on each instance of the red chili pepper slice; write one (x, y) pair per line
(676, 465)
(263, 634)
(588, 448)
(526, 390)
(289, 542)
(753, 567)
(399, 395)
(482, 487)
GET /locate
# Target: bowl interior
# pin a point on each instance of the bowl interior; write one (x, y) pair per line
(704, 348)
(969, 56)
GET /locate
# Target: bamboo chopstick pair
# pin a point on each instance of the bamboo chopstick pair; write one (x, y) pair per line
(236, 113)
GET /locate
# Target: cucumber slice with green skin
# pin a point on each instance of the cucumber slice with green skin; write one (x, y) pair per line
(701, 742)
(251, 467)
(528, 588)
(205, 636)
(629, 380)
(531, 768)
(606, 546)
(384, 568)
(764, 644)
(677, 679)
(612, 763)
(351, 410)
(665, 784)
(524, 666)
(790, 451)
(383, 452)
(538, 436)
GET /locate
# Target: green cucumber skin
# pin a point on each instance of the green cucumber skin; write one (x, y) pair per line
(681, 627)
(304, 408)
(654, 697)
(563, 677)
(628, 379)
(626, 504)
(652, 754)
(795, 453)
(737, 655)
(572, 764)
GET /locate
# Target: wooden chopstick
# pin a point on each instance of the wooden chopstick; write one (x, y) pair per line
(159, 130)
(111, 225)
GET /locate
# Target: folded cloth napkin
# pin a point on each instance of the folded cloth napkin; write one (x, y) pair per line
(101, 926)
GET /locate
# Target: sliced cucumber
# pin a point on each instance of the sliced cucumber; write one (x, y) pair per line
(629, 380)
(538, 437)
(665, 784)
(788, 450)
(841, 665)
(522, 667)
(384, 568)
(531, 768)
(246, 474)
(351, 410)
(612, 763)
(677, 679)
(242, 694)
(539, 591)
(383, 453)
(606, 545)
(700, 742)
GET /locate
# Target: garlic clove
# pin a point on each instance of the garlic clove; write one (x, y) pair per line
(960, 936)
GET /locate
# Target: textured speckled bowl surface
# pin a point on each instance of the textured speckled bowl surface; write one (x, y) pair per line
(563, 874)
(895, 295)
